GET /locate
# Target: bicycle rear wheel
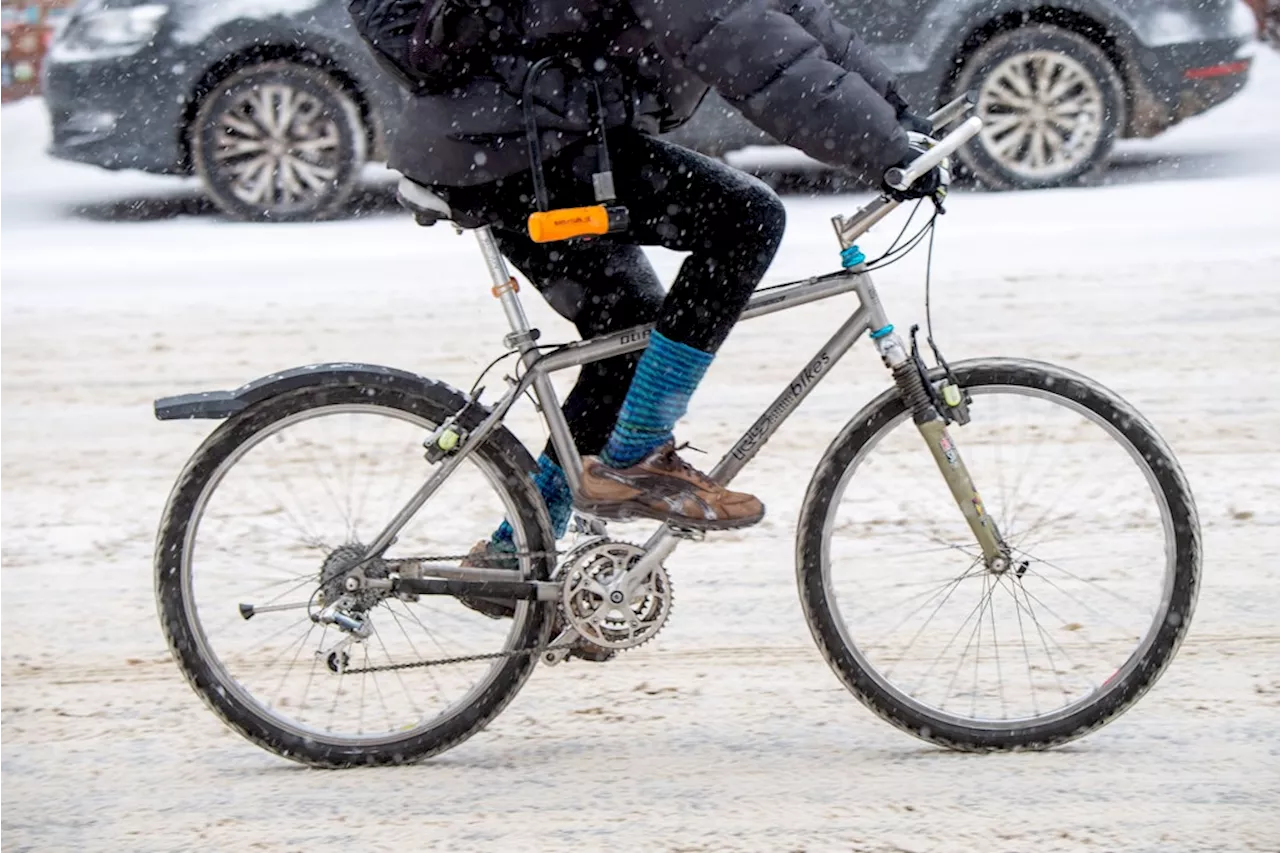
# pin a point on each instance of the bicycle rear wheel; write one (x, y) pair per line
(272, 511)
(1106, 562)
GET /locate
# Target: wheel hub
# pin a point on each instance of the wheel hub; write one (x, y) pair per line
(342, 574)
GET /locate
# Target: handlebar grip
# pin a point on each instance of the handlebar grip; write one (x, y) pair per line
(897, 178)
(552, 225)
(900, 178)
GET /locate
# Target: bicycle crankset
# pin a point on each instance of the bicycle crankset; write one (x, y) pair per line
(606, 602)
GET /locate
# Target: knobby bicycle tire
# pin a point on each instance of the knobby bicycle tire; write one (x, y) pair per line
(821, 612)
(433, 403)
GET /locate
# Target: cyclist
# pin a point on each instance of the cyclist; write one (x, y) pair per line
(790, 67)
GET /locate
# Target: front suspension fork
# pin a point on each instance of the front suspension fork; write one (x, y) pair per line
(921, 401)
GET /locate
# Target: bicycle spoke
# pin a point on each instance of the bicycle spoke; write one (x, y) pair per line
(382, 699)
(436, 636)
(309, 538)
(315, 660)
(1101, 616)
(979, 609)
(935, 589)
(396, 618)
(1026, 592)
(337, 503)
(1046, 519)
(947, 587)
(1045, 636)
(360, 705)
(948, 646)
(354, 533)
(337, 694)
(262, 643)
(995, 650)
(301, 643)
(234, 618)
(399, 678)
(1074, 576)
(1031, 684)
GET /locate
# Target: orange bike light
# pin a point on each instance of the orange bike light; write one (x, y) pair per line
(566, 223)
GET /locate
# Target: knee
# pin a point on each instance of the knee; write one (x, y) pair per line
(768, 215)
(760, 221)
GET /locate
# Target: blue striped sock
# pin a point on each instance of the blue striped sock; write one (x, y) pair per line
(665, 379)
(551, 482)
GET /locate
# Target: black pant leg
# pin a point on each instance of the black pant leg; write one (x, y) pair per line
(600, 286)
(730, 223)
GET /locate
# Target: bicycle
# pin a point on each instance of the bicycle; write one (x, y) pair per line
(379, 617)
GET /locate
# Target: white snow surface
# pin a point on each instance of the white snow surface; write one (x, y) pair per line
(728, 732)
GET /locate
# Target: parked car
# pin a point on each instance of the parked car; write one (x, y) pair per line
(276, 104)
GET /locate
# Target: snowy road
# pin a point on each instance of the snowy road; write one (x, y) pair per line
(728, 732)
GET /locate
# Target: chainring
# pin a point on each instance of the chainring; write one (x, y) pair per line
(596, 601)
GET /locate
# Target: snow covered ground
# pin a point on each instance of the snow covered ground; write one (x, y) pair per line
(728, 732)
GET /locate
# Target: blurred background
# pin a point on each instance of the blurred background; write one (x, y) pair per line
(166, 230)
(167, 87)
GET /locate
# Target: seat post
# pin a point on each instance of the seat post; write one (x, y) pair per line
(524, 339)
(505, 288)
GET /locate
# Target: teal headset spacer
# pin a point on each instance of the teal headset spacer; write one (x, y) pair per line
(852, 256)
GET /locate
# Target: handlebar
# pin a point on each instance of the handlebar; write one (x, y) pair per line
(952, 111)
(900, 179)
(850, 229)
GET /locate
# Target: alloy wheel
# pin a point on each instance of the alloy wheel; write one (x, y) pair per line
(278, 147)
(1043, 114)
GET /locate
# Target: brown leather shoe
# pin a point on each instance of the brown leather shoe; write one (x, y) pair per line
(481, 557)
(664, 487)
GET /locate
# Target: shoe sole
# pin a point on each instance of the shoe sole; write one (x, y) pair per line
(631, 510)
(494, 608)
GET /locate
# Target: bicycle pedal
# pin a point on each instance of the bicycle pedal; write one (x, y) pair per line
(687, 533)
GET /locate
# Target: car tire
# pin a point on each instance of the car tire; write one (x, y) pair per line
(278, 142)
(1036, 137)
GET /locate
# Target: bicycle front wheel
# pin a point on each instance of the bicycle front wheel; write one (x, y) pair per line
(264, 527)
(1106, 562)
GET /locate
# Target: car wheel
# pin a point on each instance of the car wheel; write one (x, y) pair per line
(278, 142)
(1052, 104)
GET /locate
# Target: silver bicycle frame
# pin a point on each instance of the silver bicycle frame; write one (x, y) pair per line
(539, 365)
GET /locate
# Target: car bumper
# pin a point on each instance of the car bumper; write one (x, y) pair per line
(1174, 82)
(97, 119)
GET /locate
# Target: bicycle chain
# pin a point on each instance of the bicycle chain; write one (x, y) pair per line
(463, 659)
(457, 558)
(441, 558)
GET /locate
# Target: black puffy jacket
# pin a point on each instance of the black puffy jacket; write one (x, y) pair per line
(788, 65)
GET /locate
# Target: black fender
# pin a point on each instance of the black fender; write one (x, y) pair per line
(218, 405)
